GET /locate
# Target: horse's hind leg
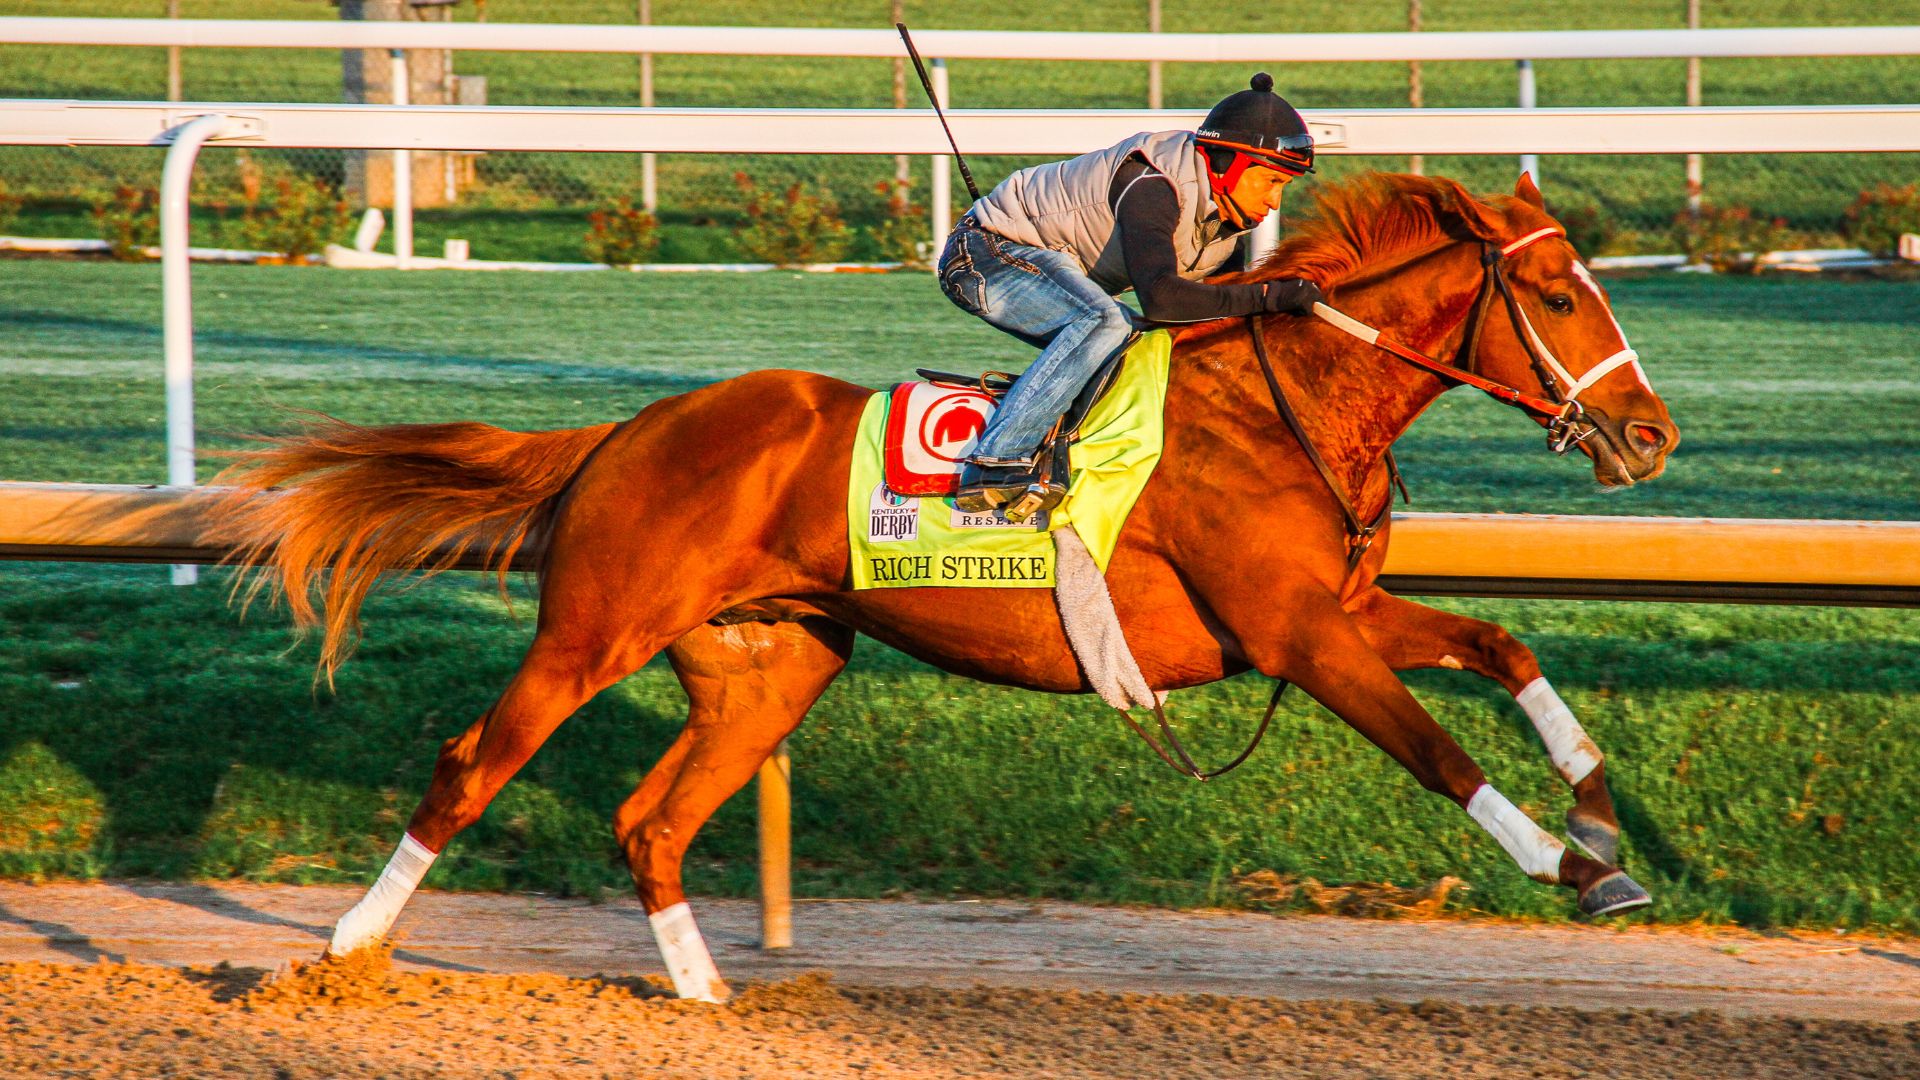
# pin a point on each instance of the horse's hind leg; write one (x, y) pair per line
(567, 663)
(1409, 635)
(748, 687)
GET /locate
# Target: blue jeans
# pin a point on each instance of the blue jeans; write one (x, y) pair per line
(1043, 298)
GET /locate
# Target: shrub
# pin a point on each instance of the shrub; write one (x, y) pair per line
(1878, 217)
(301, 217)
(129, 221)
(792, 228)
(621, 234)
(1590, 229)
(9, 207)
(1728, 238)
(901, 236)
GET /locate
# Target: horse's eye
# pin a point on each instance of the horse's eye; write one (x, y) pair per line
(1560, 303)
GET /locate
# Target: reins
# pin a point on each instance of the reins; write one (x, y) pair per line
(1556, 406)
(1359, 536)
(1185, 765)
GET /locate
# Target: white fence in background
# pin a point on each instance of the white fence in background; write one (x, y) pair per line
(1394, 131)
(971, 44)
(1662, 130)
(873, 131)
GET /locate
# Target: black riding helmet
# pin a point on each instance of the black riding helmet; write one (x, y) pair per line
(1254, 127)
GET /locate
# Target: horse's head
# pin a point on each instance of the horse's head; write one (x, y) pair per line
(1546, 323)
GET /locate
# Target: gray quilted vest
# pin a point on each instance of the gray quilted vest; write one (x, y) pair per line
(1062, 206)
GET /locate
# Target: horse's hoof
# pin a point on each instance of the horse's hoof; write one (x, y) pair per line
(1612, 895)
(1596, 839)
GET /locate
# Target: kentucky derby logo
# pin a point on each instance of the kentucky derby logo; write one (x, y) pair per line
(892, 518)
(952, 424)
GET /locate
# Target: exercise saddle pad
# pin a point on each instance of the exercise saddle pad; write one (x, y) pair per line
(902, 526)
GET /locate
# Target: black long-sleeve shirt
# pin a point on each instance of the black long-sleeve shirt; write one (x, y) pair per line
(1146, 209)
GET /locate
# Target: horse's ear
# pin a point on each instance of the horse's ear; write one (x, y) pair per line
(1479, 219)
(1528, 192)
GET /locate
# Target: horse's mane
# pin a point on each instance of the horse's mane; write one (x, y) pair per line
(1371, 219)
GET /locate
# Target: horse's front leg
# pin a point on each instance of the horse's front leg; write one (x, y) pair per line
(1409, 635)
(1320, 648)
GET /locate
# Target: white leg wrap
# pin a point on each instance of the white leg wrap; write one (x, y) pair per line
(686, 955)
(1532, 847)
(1573, 753)
(373, 916)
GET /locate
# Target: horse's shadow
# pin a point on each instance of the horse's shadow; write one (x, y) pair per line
(227, 906)
(63, 938)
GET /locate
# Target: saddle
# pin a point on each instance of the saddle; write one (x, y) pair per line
(933, 425)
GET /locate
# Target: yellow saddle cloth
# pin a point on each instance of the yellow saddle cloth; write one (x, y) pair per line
(901, 541)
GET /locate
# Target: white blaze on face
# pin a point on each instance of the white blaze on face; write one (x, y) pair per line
(1580, 271)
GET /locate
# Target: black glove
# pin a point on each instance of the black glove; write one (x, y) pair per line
(1292, 296)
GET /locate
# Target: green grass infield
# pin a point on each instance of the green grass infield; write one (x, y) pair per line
(1763, 758)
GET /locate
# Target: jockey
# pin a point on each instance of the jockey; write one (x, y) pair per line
(1043, 255)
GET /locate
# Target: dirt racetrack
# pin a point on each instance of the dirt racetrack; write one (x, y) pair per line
(151, 980)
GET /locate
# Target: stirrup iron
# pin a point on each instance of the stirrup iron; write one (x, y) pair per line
(1039, 496)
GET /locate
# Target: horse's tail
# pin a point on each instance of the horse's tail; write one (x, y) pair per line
(362, 501)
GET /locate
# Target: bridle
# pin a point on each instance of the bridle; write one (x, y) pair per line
(1570, 426)
(1560, 412)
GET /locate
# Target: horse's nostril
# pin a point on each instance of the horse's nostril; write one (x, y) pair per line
(1646, 436)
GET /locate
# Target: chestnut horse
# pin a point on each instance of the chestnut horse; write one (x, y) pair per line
(712, 526)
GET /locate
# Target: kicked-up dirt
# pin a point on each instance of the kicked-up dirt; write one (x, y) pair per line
(141, 1020)
(129, 980)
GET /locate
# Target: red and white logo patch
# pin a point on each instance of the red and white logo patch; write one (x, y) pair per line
(931, 428)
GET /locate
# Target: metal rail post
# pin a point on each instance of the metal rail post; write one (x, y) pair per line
(1696, 169)
(402, 172)
(940, 170)
(1155, 84)
(1264, 238)
(649, 163)
(176, 299)
(174, 82)
(1529, 163)
(1416, 89)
